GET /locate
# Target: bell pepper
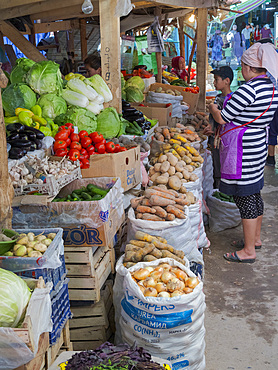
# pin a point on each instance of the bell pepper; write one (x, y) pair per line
(13, 119)
(45, 130)
(36, 125)
(36, 109)
(18, 110)
(41, 120)
(24, 118)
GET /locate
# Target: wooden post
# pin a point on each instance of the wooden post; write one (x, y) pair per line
(181, 36)
(111, 50)
(202, 57)
(158, 55)
(191, 57)
(83, 38)
(6, 188)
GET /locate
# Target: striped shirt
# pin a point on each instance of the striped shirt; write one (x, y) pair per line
(246, 104)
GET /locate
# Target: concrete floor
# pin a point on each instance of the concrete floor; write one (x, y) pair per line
(242, 299)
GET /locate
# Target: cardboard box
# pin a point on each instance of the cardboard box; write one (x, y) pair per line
(125, 165)
(156, 111)
(188, 97)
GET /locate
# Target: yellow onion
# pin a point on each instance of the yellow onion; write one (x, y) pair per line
(150, 292)
(159, 268)
(192, 282)
(164, 295)
(142, 288)
(187, 290)
(166, 266)
(149, 282)
(149, 268)
(141, 274)
(161, 287)
(177, 293)
(156, 274)
(180, 274)
(173, 284)
(166, 276)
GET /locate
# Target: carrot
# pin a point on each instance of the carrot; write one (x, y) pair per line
(156, 200)
(159, 137)
(146, 202)
(160, 212)
(136, 201)
(170, 192)
(138, 215)
(167, 254)
(163, 246)
(156, 253)
(149, 192)
(166, 133)
(149, 258)
(179, 206)
(151, 217)
(162, 240)
(138, 256)
(131, 248)
(139, 243)
(177, 212)
(145, 209)
(182, 202)
(170, 217)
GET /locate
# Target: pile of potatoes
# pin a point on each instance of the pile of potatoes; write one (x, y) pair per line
(31, 245)
(169, 91)
(147, 248)
(172, 172)
(164, 281)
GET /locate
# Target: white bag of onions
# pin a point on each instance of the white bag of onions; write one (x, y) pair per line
(163, 311)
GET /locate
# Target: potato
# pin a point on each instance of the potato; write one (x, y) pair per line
(186, 174)
(157, 167)
(190, 197)
(162, 180)
(172, 159)
(179, 167)
(183, 189)
(193, 177)
(151, 171)
(186, 159)
(174, 182)
(182, 163)
(189, 168)
(155, 176)
(165, 167)
(162, 158)
(172, 171)
(179, 175)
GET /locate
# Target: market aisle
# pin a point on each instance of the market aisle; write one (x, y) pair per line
(242, 300)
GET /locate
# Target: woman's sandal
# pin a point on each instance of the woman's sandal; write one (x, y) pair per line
(233, 257)
(240, 244)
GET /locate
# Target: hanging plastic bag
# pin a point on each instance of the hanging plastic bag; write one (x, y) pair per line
(123, 8)
(154, 38)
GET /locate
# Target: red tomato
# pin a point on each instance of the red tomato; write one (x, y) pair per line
(83, 133)
(68, 141)
(59, 144)
(75, 145)
(74, 137)
(74, 154)
(90, 149)
(86, 163)
(61, 152)
(85, 142)
(64, 128)
(110, 147)
(62, 135)
(168, 105)
(96, 137)
(123, 149)
(117, 148)
(84, 153)
(100, 148)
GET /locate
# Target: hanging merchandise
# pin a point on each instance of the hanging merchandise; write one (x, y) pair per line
(123, 8)
(154, 38)
(145, 58)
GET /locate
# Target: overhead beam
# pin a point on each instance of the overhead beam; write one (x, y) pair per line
(186, 3)
(55, 26)
(4, 4)
(21, 42)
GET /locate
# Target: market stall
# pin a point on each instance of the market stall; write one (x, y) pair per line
(96, 180)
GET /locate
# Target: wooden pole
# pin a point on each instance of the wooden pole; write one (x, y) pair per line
(181, 36)
(6, 188)
(111, 50)
(158, 55)
(202, 57)
(191, 57)
(83, 38)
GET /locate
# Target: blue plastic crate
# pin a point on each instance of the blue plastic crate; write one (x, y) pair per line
(197, 269)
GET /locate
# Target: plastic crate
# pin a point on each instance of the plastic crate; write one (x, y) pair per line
(197, 268)
(60, 312)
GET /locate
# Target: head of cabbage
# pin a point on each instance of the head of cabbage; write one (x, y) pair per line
(108, 123)
(133, 94)
(136, 81)
(14, 298)
(52, 105)
(82, 118)
(20, 70)
(18, 96)
(45, 78)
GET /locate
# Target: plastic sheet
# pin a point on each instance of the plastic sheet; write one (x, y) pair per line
(123, 8)
(154, 97)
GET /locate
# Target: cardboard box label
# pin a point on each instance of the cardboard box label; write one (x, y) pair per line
(130, 177)
(82, 235)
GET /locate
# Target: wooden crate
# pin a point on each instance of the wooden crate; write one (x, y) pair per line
(90, 326)
(88, 269)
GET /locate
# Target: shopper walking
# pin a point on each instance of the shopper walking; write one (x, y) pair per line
(238, 43)
(246, 33)
(217, 45)
(257, 33)
(243, 150)
(266, 32)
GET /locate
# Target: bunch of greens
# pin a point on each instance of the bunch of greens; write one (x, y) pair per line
(20, 70)
(108, 356)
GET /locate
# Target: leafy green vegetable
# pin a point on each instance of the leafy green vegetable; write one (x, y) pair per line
(20, 70)
(124, 125)
(134, 94)
(80, 87)
(108, 123)
(14, 298)
(98, 83)
(52, 105)
(82, 118)
(136, 81)
(18, 96)
(122, 81)
(75, 98)
(45, 77)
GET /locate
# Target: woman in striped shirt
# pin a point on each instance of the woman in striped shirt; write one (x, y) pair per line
(243, 150)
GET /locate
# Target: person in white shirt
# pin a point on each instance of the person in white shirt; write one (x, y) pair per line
(246, 33)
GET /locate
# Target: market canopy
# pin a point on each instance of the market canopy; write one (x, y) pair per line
(244, 7)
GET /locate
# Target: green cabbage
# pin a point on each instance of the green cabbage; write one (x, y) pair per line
(136, 81)
(133, 94)
(98, 83)
(14, 298)
(108, 123)
(52, 105)
(18, 96)
(122, 81)
(20, 70)
(45, 78)
(82, 118)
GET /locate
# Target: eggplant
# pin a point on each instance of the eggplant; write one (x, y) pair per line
(20, 143)
(16, 153)
(38, 143)
(133, 113)
(23, 136)
(39, 135)
(15, 127)
(30, 134)
(33, 147)
(13, 136)
(125, 104)
(129, 110)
